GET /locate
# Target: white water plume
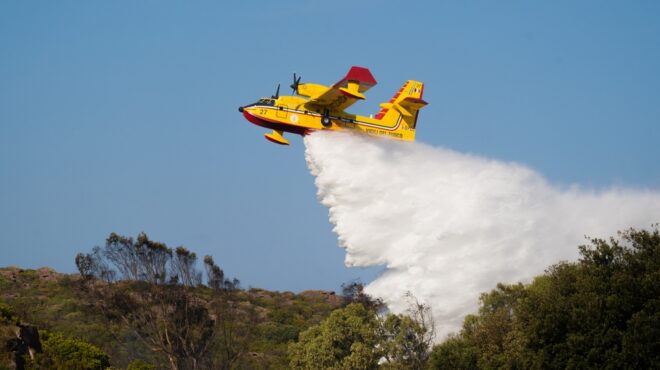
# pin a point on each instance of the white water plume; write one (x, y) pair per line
(448, 226)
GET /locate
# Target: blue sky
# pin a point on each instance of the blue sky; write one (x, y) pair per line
(122, 116)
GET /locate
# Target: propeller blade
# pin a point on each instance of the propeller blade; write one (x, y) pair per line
(293, 85)
(296, 82)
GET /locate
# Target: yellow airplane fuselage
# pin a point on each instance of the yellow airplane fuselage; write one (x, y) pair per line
(288, 114)
(316, 107)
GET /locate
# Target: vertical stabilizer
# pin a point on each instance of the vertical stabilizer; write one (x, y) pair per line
(403, 109)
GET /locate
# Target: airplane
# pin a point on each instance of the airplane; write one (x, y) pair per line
(316, 107)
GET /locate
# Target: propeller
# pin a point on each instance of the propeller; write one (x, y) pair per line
(296, 82)
(277, 92)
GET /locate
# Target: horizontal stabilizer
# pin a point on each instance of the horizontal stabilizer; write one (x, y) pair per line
(413, 103)
(409, 105)
(406, 106)
(402, 109)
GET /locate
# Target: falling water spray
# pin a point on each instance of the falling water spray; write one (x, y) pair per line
(448, 226)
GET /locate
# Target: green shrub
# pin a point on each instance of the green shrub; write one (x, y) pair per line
(7, 314)
(62, 352)
(279, 333)
(140, 365)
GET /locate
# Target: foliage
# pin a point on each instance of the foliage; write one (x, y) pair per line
(401, 342)
(602, 311)
(455, 353)
(353, 292)
(356, 337)
(140, 365)
(405, 339)
(215, 277)
(158, 305)
(183, 267)
(345, 340)
(253, 321)
(279, 333)
(61, 352)
(236, 327)
(168, 319)
(7, 314)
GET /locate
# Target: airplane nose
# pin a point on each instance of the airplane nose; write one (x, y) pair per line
(240, 109)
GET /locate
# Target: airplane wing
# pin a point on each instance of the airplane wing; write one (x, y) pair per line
(344, 93)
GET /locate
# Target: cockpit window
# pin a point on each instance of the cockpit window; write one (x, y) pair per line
(266, 101)
(263, 101)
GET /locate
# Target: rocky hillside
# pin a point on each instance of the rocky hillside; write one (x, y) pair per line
(261, 322)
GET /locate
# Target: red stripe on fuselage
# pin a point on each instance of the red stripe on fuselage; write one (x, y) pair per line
(274, 125)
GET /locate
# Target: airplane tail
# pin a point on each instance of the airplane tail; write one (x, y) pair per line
(402, 110)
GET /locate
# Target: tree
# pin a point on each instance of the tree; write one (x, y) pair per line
(353, 292)
(168, 319)
(455, 353)
(599, 311)
(183, 267)
(236, 326)
(140, 260)
(602, 311)
(94, 266)
(347, 339)
(153, 259)
(155, 296)
(356, 337)
(85, 265)
(124, 254)
(63, 353)
(215, 277)
(406, 340)
(140, 365)
(143, 259)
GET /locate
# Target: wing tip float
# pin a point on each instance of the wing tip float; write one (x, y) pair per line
(277, 138)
